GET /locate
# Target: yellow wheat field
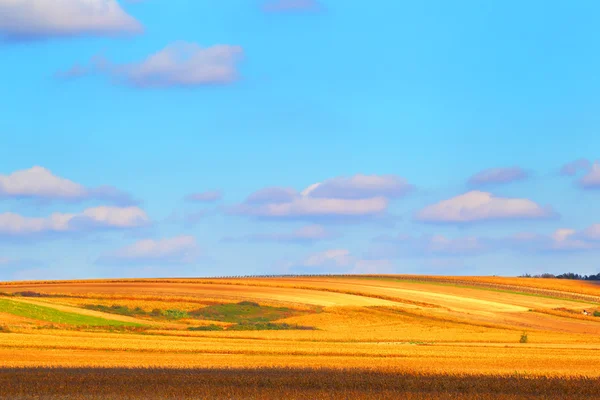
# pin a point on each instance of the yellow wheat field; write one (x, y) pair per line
(403, 323)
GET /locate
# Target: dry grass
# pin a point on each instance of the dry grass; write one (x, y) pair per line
(430, 329)
(285, 383)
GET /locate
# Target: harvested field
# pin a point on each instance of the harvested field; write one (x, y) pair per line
(450, 332)
(275, 383)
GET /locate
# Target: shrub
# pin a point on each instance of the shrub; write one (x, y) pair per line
(523, 338)
(211, 327)
(596, 313)
(175, 314)
(248, 303)
(29, 294)
(4, 329)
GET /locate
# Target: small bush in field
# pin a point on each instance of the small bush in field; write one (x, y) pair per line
(211, 327)
(4, 329)
(524, 338)
(175, 314)
(596, 313)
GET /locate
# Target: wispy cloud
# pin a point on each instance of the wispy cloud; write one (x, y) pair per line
(477, 206)
(592, 179)
(340, 261)
(360, 187)
(204, 197)
(39, 19)
(40, 183)
(498, 176)
(574, 167)
(305, 235)
(175, 250)
(96, 218)
(434, 245)
(562, 240)
(180, 64)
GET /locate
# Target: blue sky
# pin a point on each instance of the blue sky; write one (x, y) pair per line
(153, 138)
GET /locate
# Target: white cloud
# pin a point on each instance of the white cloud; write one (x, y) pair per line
(360, 187)
(310, 207)
(176, 250)
(498, 176)
(592, 179)
(35, 19)
(481, 206)
(358, 196)
(180, 64)
(40, 183)
(12, 224)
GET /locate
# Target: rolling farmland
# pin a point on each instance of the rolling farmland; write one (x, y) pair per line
(455, 331)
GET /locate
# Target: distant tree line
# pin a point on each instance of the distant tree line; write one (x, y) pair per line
(568, 275)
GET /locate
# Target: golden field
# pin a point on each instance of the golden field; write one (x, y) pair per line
(436, 327)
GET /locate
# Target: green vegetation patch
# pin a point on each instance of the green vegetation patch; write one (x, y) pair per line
(243, 316)
(243, 312)
(246, 316)
(48, 314)
(139, 312)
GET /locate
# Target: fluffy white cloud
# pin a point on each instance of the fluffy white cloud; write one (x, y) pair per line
(357, 196)
(180, 64)
(35, 19)
(12, 224)
(481, 206)
(41, 183)
(592, 179)
(176, 250)
(303, 235)
(498, 175)
(290, 5)
(205, 197)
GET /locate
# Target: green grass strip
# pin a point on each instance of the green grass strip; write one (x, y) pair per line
(48, 314)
